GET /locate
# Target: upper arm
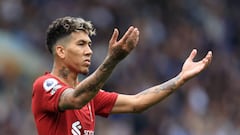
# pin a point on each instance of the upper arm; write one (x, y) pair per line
(125, 104)
(67, 100)
(46, 94)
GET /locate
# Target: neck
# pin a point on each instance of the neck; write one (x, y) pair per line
(65, 74)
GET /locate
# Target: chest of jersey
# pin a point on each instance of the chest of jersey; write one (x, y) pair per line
(82, 121)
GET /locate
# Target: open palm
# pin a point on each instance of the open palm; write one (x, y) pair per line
(191, 68)
(118, 49)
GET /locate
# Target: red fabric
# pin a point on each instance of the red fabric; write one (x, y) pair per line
(50, 121)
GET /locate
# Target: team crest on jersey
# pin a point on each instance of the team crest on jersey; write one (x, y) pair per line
(49, 84)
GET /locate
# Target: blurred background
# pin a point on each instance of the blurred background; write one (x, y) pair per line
(170, 29)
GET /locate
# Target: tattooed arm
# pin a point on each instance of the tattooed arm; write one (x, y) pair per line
(89, 87)
(149, 97)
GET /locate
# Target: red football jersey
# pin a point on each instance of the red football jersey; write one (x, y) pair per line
(47, 90)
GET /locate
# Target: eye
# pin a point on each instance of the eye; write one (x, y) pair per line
(90, 44)
(81, 44)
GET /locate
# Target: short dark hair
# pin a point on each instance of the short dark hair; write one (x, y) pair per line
(63, 27)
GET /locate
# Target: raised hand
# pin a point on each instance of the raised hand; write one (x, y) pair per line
(191, 68)
(118, 49)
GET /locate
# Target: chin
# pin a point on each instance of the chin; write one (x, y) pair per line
(84, 72)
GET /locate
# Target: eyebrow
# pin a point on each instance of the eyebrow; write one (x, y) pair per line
(85, 41)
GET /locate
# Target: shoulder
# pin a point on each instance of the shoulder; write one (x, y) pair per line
(45, 82)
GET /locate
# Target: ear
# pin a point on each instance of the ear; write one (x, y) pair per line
(60, 52)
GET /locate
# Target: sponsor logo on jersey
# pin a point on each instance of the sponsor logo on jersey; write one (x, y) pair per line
(76, 129)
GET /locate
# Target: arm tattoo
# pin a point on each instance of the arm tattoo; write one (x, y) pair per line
(63, 98)
(107, 66)
(96, 80)
(168, 86)
(88, 87)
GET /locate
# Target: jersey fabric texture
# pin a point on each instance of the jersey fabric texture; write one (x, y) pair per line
(47, 90)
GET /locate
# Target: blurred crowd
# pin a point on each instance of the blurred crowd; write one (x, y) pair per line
(169, 30)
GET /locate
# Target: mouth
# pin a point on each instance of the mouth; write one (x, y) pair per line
(87, 62)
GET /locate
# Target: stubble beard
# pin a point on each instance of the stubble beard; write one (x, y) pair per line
(84, 72)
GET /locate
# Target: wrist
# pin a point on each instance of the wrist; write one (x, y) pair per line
(108, 64)
(180, 79)
(112, 60)
(117, 55)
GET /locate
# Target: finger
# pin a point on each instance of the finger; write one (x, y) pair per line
(134, 36)
(136, 33)
(128, 33)
(114, 36)
(210, 55)
(208, 58)
(193, 54)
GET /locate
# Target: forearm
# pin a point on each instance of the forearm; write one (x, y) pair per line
(90, 86)
(154, 95)
(149, 97)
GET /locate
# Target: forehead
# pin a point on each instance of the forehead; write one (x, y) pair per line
(80, 36)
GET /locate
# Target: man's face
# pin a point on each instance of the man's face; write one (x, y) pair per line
(78, 52)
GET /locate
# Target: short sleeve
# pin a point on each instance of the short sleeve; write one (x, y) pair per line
(46, 94)
(104, 102)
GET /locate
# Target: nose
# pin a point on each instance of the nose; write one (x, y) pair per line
(88, 50)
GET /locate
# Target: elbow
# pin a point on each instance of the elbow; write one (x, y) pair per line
(74, 103)
(81, 100)
(138, 109)
(137, 106)
(70, 101)
(79, 103)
